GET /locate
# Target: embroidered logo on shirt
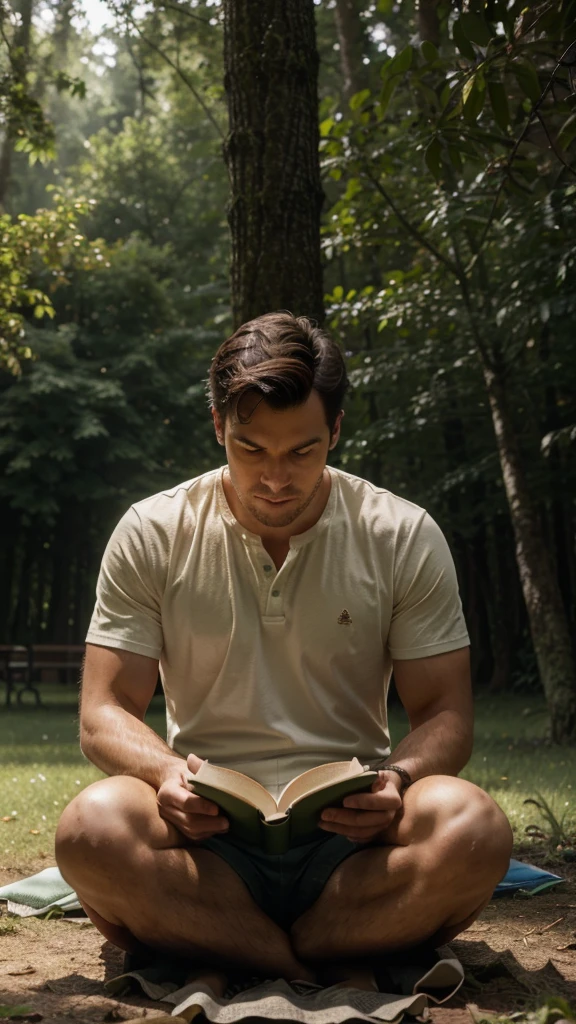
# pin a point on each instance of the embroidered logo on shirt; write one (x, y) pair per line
(344, 619)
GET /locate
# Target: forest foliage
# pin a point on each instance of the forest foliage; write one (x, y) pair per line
(448, 164)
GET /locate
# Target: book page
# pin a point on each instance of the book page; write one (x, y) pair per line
(241, 786)
(316, 779)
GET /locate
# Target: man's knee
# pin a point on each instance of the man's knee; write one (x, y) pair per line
(106, 814)
(462, 825)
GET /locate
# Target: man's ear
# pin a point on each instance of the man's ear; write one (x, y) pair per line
(218, 426)
(335, 435)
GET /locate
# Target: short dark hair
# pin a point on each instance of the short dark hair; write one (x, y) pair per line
(281, 358)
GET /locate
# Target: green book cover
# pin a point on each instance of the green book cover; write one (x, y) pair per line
(295, 825)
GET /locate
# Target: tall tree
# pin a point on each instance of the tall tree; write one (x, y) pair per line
(428, 21)
(18, 56)
(487, 162)
(351, 40)
(271, 72)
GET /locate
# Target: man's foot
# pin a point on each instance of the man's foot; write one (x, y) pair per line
(213, 979)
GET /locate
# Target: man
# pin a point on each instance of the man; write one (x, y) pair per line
(277, 594)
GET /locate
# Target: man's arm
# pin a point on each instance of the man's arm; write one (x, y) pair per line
(117, 688)
(437, 695)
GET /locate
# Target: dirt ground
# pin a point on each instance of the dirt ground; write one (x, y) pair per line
(519, 951)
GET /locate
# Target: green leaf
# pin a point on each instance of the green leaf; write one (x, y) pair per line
(433, 158)
(527, 78)
(359, 99)
(475, 29)
(499, 103)
(567, 133)
(429, 51)
(326, 127)
(338, 293)
(399, 64)
(455, 158)
(473, 95)
(429, 94)
(386, 95)
(353, 187)
(461, 41)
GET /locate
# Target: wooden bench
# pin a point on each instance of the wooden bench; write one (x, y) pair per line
(22, 667)
(14, 669)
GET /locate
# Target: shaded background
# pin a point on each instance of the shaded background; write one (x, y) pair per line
(115, 286)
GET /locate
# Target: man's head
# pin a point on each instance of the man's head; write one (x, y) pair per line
(277, 358)
(276, 388)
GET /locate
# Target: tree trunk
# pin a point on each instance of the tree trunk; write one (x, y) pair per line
(503, 600)
(62, 32)
(428, 21)
(19, 54)
(351, 39)
(548, 625)
(271, 71)
(11, 540)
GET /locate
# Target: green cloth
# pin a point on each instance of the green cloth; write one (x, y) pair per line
(39, 894)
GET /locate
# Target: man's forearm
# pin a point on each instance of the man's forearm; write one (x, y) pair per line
(440, 746)
(119, 743)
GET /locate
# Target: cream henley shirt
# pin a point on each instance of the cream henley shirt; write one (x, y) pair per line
(273, 672)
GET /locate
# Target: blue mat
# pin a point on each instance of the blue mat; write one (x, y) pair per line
(526, 878)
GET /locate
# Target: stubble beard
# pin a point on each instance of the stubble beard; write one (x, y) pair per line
(289, 516)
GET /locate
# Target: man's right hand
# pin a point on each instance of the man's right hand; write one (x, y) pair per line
(192, 815)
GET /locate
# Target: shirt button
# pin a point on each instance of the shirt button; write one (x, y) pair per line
(267, 568)
(243, 536)
(275, 593)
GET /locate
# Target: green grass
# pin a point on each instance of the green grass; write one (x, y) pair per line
(42, 769)
(513, 761)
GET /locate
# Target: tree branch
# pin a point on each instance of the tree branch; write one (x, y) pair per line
(507, 169)
(181, 74)
(410, 228)
(553, 146)
(184, 10)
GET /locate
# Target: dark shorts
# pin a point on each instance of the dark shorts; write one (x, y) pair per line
(284, 885)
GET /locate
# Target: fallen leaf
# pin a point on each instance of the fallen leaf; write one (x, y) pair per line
(8, 817)
(23, 970)
(34, 831)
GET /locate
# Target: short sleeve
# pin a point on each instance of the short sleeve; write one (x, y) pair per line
(427, 616)
(127, 614)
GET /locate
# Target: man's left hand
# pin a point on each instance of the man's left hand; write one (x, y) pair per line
(365, 816)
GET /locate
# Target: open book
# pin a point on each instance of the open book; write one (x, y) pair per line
(277, 825)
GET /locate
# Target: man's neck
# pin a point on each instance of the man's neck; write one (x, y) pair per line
(277, 539)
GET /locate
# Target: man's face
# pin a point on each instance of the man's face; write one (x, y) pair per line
(276, 461)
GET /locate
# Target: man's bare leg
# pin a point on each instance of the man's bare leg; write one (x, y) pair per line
(141, 885)
(432, 877)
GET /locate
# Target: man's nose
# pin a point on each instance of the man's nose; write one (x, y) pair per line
(276, 475)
